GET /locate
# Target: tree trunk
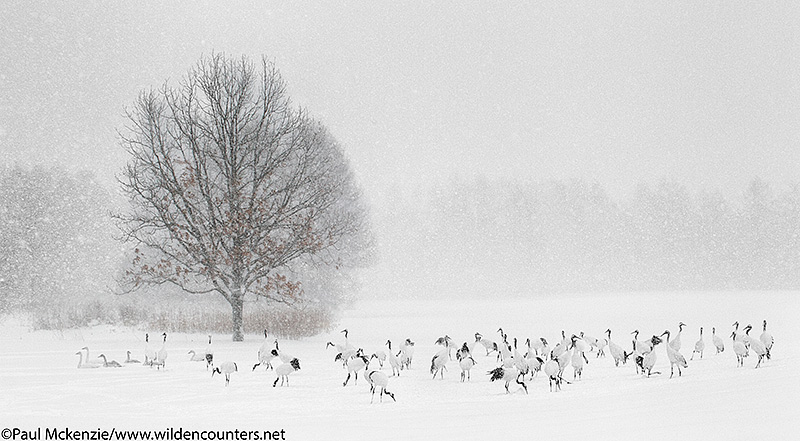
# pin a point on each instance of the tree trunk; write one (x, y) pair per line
(237, 306)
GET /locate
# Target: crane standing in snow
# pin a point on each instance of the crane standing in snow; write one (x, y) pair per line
(578, 357)
(675, 357)
(616, 351)
(439, 361)
(355, 364)
(699, 346)
(767, 340)
(647, 361)
(284, 370)
(718, 343)
(266, 354)
(739, 349)
(226, 368)
(209, 355)
(378, 379)
(756, 345)
(406, 354)
(508, 372)
(394, 360)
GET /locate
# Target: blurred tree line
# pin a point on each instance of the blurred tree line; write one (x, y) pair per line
(572, 236)
(57, 252)
(60, 260)
(55, 239)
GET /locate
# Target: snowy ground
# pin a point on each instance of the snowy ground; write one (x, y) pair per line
(714, 399)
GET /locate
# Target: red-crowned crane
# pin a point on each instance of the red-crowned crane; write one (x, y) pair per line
(756, 345)
(676, 342)
(226, 368)
(284, 370)
(718, 343)
(378, 379)
(699, 346)
(739, 349)
(616, 351)
(675, 358)
(767, 340)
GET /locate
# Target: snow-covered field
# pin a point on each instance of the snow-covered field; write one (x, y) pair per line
(714, 399)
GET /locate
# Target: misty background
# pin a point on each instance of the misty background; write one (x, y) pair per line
(503, 149)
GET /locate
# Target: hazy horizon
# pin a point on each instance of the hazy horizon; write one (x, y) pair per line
(618, 93)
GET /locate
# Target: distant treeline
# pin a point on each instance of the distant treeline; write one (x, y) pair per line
(571, 236)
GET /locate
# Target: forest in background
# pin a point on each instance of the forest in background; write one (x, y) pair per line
(471, 237)
(509, 237)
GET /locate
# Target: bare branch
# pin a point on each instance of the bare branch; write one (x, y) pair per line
(229, 185)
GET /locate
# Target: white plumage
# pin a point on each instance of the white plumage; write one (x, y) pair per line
(739, 349)
(466, 364)
(406, 354)
(578, 359)
(640, 349)
(285, 358)
(534, 361)
(756, 345)
(676, 342)
(616, 351)
(699, 346)
(265, 355)
(355, 364)
(88, 362)
(553, 372)
(508, 373)
(489, 345)
(562, 360)
(767, 340)
(87, 365)
(226, 368)
(377, 380)
(447, 342)
(675, 358)
(593, 343)
(519, 360)
(561, 346)
(130, 360)
(394, 360)
(345, 351)
(284, 370)
(106, 363)
(149, 353)
(438, 363)
(161, 355)
(209, 355)
(738, 336)
(717, 340)
(648, 360)
(540, 346)
(347, 344)
(380, 356)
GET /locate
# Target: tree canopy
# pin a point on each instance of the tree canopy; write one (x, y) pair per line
(232, 188)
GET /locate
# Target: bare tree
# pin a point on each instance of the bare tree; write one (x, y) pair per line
(229, 185)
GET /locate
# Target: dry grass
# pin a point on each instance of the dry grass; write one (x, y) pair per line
(188, 316)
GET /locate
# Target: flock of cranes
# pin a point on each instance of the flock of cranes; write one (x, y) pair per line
(510, 364)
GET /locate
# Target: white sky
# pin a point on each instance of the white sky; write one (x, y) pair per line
(705, 93)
